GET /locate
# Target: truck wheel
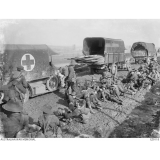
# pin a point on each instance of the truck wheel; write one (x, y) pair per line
(52, 83)
(26, 96)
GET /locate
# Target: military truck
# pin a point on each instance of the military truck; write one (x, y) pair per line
(100, 52)
(37, 61)
(142, 50)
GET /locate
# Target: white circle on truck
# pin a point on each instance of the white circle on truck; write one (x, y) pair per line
(28, 62)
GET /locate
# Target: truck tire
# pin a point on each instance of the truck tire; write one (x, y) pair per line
(52, 83)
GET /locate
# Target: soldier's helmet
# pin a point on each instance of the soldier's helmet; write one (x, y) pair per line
(47, 109)
(13, 106)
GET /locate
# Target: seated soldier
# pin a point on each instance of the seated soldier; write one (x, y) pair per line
(16, 119)
(105, 76)
(49, 123)
(19, 82)
(76, 93)
(110, 87)
(157, 73)
(153, 77)
(133, 80)
(2, 117)
(92, 93)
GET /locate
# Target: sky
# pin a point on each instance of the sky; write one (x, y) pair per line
(68, 32)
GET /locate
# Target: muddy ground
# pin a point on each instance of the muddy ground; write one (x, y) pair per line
(132, 119)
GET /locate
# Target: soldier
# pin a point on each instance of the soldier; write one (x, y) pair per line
(105, 76)
(79, 92)
(2, 117)
(64, 72)
(110, 89)
(92, 94)
(16, 119)
(105, 81)
(132, 79)
(128, 64)
(49, 123)
(18, 81)
(153, 77)
(79, 111)
(114, 70)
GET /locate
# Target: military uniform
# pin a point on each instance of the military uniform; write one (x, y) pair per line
(63, 74)
(153, 77)
(70, 79)
(16, 120)
(2, 117)
(49, 123)
(19, 83)
(114, 70)
(80, 111)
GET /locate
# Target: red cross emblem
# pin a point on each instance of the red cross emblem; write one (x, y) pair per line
(28, 62)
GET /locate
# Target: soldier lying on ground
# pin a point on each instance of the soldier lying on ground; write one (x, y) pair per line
(78, 112)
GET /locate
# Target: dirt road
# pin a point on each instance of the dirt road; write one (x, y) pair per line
(101, 124)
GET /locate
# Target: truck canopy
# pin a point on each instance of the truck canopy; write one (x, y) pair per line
(99, 45)
(142, 49)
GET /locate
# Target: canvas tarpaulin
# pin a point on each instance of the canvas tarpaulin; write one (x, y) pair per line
(150, 47)
(114, 46)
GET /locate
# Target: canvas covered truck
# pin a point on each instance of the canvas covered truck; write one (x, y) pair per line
(99, 52)
(37, 61)
(142, 50)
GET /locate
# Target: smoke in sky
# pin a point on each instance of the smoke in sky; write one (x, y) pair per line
(68, 32)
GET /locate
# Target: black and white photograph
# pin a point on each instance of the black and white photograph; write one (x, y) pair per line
(79, 78)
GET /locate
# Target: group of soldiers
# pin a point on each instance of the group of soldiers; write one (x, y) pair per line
(83, 96)
(15, 121)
